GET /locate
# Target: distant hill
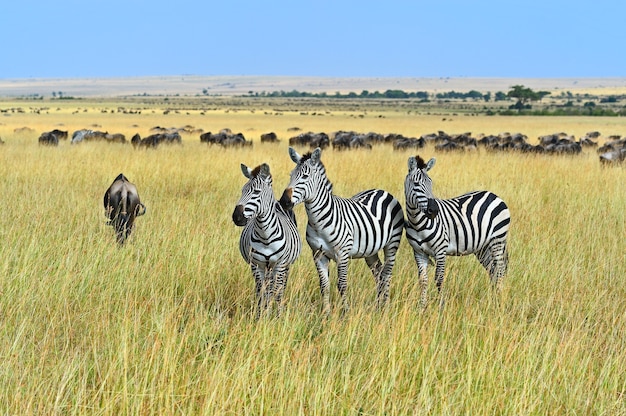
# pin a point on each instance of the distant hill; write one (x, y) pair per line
(190, 85)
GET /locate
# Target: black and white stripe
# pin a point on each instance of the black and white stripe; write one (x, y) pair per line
(473, 223)
(343, 228)
(269, 242)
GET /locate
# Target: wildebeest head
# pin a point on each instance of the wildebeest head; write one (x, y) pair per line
(418, 187)
(122, 205)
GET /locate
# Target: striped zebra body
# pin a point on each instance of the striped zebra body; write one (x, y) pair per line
(270, 242)
(343, 228)
(473, 223)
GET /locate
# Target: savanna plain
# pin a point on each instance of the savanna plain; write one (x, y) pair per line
(165, 324)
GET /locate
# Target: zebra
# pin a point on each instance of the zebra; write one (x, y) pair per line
(270, 242)
(473, 223)
(343, 228)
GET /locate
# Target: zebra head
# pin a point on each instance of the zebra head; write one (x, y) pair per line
(305, 177)
(418, 187)
(257, 196)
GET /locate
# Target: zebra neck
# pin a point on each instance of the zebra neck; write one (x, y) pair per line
(415, 216)
(264, 223)
(322, 198)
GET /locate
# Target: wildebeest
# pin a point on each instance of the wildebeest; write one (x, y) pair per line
(313, 140)
(61, 135)
(85, 134)
(613, 157)
(115, 138)
(616, 143)
(402, 143)
(122, 205)
(343, 140)
(48, 139)
(270, 137)
(225, 138)
(156, 139)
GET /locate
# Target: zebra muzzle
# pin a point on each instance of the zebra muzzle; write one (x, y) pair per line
(432, 209)
(238, 218)
(285, 200)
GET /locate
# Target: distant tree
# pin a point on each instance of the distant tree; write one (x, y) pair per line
(474, 94)
(525, 95)
(395, 94)
(590, 105)
(500, 96)
(609, 99)
(542, 94)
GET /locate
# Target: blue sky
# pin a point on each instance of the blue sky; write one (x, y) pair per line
(330, 38)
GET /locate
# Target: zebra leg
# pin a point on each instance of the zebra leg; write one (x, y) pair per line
(321, 264)
(385, 275)
(422, 266)
(440, 268)
(268, 286)
(259, 276)
(484, 257)
(280, 282)
(499, 263)
(342, 280)
(376, 268)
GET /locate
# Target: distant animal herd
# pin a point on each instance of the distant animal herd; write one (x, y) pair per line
(612, 151)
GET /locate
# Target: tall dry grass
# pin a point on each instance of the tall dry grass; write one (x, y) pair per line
(165, 324)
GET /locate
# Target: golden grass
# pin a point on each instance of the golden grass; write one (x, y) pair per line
(165, 325)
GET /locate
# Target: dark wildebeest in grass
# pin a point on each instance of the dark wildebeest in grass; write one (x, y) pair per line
(270, 137)
(61, 135)
(48, 139)
(122, 205)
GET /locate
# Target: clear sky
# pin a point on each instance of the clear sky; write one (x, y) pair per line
(330, 38)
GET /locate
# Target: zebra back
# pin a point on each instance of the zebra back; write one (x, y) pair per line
(360, 226)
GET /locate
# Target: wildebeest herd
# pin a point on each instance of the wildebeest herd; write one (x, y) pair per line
(613, 151)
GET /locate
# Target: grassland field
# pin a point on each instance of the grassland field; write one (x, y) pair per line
(165, 324)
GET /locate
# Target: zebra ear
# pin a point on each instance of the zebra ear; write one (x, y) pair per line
(316, 155)
(265, 170)
(247, 172)
(294, 155)
(412, 163)
(430, 164)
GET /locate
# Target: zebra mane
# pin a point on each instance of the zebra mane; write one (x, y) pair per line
(262, 169)
(305, 157)
(420, 162)
(328, 183)
(255, 172)
(308, 156)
